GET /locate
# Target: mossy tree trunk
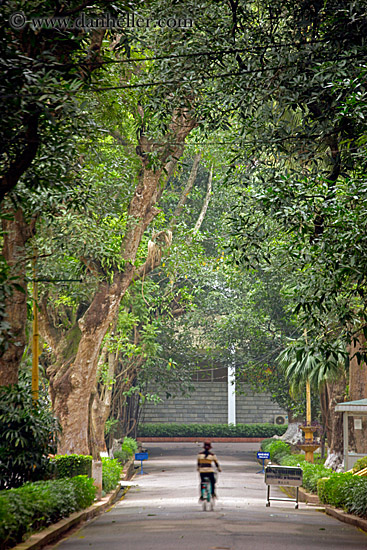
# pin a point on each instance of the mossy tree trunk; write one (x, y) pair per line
(17, 232)
(334, 394)
(72, 384)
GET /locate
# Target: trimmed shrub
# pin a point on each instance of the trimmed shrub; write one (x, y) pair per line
(72, 465)
(321, 489)
(360, 464)
(36, 505)
(332, 490)
(356, 497)
(84, 491)
(111, 473)
(312, 473)
(210, 430)
(345, 491)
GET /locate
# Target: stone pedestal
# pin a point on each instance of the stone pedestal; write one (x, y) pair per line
(97, 476)
(309, 446)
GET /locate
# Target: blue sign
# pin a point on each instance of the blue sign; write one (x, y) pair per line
(263, 455)
(141, 456)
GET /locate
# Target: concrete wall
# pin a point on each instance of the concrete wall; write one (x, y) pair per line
(208, 405)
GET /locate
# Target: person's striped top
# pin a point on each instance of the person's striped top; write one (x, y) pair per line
(206, 462)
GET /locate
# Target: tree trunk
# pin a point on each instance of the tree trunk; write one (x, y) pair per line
(71, 392)
(99, 413)
(336, 394)
(101, 406)
(16, 234)
(358, 390)
(324, 407)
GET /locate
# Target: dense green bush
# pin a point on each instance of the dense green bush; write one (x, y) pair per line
(122, 455)
(35, 505)
(111, 473)
(332, 489)
(312, 473)
(28, 433)
(277, 449)
(360, 464)
(130, 445)
(356, 497)
(210, 430)
(264, 444)
(128, 448)
(345, 491)
(292, 460)
(72, 465)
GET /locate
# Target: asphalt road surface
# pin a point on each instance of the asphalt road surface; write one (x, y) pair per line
(161, 510)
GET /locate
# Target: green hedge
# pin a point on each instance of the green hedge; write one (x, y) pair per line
(345, 491)
(34, 506)
(72, 465)
(111, 474)
(311, 475)
(210, 430)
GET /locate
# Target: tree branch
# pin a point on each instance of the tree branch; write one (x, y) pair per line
(205, 205)
(186, 191)
(47, 327)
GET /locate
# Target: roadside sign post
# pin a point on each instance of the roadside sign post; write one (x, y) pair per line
(261, 455)
(286, 476)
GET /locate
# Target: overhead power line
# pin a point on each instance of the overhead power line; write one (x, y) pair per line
(219, 76)
(203, 77)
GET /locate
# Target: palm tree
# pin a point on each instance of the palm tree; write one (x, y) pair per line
(324, 366)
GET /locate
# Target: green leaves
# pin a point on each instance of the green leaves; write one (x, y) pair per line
(317, 362)
(111, 474)
(28, 434)
(34, 506)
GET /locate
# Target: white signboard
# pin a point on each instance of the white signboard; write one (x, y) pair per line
(284, 475)
(357, 423)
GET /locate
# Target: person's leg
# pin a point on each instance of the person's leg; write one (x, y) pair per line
(201, 480)
(212, 481)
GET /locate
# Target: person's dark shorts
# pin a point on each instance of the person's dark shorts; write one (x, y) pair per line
(211, 477)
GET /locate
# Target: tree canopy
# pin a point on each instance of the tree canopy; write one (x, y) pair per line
(189, 190)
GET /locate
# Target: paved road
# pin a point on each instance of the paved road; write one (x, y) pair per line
(161, 510)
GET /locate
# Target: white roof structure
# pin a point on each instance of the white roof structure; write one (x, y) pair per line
(359, 407)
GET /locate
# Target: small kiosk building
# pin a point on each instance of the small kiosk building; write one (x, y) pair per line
(354, 409)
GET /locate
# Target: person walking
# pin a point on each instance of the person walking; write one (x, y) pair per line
(206, 462)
